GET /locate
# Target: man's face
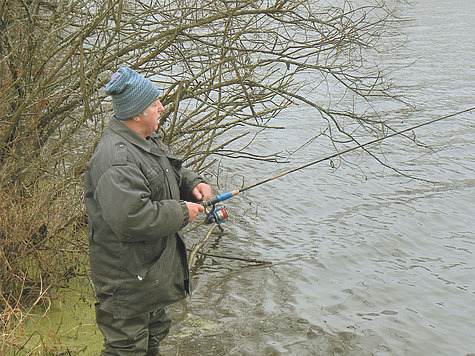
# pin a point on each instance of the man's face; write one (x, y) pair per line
(151, 120)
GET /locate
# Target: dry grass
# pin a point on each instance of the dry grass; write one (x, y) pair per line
(36, 254)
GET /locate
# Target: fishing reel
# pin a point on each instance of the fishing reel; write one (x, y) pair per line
(216, 215)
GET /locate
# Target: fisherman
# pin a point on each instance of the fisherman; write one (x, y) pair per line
(138, 197)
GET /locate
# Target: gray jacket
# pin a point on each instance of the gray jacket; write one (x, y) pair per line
(133, 195)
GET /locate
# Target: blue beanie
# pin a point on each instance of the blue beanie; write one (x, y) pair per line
(131, 93)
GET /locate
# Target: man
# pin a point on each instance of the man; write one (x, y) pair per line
(138, 196)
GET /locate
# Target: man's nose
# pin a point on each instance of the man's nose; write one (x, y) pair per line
(160, 107)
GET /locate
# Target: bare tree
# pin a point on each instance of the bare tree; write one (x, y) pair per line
(221, 63)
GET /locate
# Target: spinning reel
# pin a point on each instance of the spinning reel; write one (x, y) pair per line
(216, 215)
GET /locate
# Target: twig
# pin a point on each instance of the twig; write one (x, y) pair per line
(234, 258)
(90, 281)
(195, 250)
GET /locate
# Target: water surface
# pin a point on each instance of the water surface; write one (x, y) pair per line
(365, 261)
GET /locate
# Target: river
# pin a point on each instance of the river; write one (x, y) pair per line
(365, 261)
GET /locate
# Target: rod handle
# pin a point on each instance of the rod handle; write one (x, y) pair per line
(219, 198)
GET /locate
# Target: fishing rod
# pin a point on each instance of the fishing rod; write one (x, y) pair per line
(219, 215)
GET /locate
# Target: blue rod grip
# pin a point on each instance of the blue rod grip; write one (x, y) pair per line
(219, 198)
(224, 196)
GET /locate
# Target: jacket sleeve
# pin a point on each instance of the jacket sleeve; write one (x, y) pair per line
(188, 180)
(125, 202)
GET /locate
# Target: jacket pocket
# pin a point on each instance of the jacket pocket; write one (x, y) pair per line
(140, 256)
(167, 274)
(162, 284)
(157, 182)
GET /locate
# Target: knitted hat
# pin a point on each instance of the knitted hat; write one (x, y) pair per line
(131, 93)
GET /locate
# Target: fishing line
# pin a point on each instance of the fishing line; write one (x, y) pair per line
(232, 193)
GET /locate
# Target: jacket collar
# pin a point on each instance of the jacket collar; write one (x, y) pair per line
(153, 146)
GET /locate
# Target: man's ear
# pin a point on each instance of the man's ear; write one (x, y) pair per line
(136, 118)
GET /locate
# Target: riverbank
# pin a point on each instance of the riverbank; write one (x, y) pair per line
(67, 326)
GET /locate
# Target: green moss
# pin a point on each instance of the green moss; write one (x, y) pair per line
(196, 326)
(66, 327)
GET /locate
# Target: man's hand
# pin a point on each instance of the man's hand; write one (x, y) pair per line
(194, 210)
(202, 191)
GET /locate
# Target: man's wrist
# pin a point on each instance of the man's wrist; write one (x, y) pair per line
(186, 213)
